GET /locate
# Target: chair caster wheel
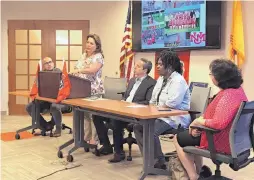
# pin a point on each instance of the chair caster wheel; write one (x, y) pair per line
(167, 159)
(43, 133)
(70, 158)
(17, 136)
(86, 149)
(97, 152)
(70, 132)
(129, 158)
(60, 154)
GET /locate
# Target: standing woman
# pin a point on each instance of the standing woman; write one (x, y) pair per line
(89, 67)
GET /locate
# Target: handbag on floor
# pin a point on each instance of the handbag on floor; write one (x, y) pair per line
(176, 168)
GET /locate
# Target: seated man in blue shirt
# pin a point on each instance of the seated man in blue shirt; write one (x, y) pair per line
(171, 90)
(139, 90)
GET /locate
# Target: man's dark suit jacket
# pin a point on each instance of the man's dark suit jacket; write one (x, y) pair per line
(144, 91)
(142, 96)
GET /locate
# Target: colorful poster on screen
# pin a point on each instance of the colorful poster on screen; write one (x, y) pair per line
(173, 24)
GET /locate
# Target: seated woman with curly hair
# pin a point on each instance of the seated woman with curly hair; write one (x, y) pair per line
(218, 115)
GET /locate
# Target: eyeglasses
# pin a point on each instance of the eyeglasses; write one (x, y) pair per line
(47, 63)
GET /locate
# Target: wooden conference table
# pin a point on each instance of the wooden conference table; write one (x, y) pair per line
(119, 110)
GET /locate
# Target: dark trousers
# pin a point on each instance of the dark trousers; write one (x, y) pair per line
(43, 106)
(102, 132)
(159, 128)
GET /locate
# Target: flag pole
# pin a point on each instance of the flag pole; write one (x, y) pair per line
(40, 64)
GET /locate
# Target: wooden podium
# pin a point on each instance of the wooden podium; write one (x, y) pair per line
(80, 88)
(50, 82)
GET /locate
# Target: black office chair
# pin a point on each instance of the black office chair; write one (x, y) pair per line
(129, 140)
(115, 89)
(64, 111)
(241, 139)
(198, 84)
(198, 103)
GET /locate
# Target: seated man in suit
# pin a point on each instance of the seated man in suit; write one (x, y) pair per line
(139, 90)
(55, 109)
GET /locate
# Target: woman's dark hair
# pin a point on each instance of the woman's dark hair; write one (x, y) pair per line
(226, 73)
(97, 41)
(170, 60)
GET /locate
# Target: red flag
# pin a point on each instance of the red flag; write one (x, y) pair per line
(65, 85)
(34, 89)
(185, 60)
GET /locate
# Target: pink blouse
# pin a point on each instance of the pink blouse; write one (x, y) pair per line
(220, 114)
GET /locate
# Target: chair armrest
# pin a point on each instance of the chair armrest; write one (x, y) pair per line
(247, 111)
(206, 129)
(193, 112)
(209, 134)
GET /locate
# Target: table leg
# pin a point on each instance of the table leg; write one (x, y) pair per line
(76, 119)
(66, 144)
(151, 161)
(76, 127)
(148, 151)
(80, 126)
(35, 117)
(25, 129)
(78, 135)
(145, 150)
(150, 143)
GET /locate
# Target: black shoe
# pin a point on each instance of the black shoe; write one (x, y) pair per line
(57, 133)
(117, 158)
(205, 172)
(105, 150)
(49, 126)
(159, 165)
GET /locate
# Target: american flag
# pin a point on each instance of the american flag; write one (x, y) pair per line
(126, 59)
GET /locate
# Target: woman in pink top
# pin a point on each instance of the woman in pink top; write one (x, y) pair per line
(218, 115)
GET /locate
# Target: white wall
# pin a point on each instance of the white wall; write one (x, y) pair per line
(107, 19)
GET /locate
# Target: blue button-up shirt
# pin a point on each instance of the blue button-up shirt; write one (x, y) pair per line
(175, 95)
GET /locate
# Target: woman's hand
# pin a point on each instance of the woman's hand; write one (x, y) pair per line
(196, 122)
(190, 129)
(195, 132)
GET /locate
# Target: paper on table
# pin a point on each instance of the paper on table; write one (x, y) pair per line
(87, 99)
(93, 99)
(136, 106)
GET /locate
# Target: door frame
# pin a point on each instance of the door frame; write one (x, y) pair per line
(48, 48)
